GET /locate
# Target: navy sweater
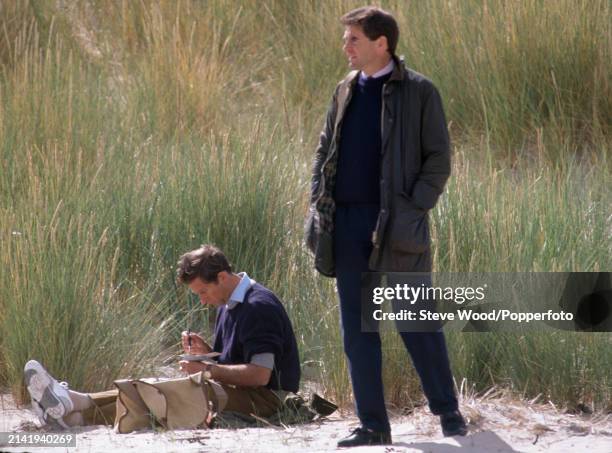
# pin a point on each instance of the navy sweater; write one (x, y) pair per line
(257, 325)
(358, 172)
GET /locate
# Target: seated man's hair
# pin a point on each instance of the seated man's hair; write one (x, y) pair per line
(205, 263)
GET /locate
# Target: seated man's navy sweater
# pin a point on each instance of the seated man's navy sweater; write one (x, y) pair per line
(358, 172)
(259, 325)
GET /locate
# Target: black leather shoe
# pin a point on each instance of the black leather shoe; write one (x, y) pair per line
(363, 436)
(453, 424)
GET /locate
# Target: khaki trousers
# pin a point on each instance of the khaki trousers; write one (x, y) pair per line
(260, 401)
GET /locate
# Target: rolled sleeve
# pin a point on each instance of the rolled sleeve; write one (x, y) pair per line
(264, 359)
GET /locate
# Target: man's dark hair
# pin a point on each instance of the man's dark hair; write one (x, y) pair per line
(205, 263)
(375, 22)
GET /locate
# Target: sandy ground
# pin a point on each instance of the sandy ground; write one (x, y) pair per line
(497, 424)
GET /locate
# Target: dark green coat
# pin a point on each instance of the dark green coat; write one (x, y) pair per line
(415, 165)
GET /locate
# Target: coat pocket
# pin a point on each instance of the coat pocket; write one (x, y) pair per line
(409, 228)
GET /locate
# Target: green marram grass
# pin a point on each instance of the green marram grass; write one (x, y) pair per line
(131, 132)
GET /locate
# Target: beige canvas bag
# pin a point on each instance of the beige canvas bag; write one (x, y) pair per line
(189, 402)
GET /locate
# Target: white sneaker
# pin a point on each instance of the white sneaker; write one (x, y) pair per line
(50, 399)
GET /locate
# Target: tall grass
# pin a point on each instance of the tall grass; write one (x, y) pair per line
(131, 132)
(518, 69)
(64, 303)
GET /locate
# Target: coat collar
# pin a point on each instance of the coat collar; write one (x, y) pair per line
(398, 69)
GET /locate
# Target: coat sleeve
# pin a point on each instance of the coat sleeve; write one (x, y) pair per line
(323, 147)
(435, 151)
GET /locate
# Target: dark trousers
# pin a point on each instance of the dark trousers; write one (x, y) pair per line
(352, 247)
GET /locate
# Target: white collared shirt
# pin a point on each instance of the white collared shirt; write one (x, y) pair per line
(384, 71)
(240, 290)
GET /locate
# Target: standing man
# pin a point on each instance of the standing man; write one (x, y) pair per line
(381, 164)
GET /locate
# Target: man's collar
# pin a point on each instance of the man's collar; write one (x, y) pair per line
(398, 70)
(384, 71)
(240, 290)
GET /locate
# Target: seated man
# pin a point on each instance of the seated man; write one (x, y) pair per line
(257, 364)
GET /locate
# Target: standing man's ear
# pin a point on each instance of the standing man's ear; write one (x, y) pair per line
(382, 43)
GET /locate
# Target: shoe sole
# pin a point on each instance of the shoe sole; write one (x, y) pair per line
(44, 390)
(38, 410)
